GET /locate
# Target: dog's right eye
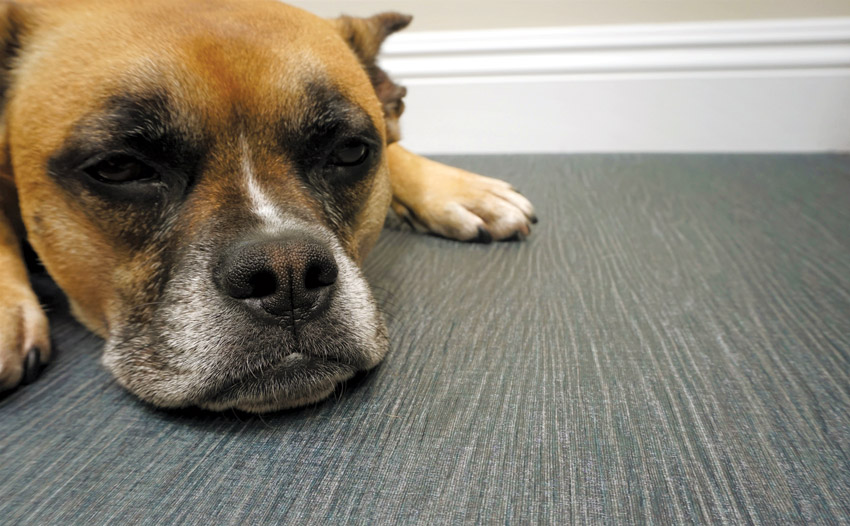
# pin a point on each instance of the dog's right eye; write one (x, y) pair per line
(350, 153)
(120, 169)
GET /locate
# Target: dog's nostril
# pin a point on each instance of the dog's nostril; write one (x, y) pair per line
(320, 274)
(262, 284)
(291, 276)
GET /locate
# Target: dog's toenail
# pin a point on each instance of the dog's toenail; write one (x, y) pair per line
(533, 219)
(483, 236)
(32, 366)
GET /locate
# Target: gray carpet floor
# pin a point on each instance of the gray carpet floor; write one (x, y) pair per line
(670, 346)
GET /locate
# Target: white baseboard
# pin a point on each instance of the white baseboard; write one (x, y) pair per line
(778, 86)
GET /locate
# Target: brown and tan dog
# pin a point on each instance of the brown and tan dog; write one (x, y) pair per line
(203, 179)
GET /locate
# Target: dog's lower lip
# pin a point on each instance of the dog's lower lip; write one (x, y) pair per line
(235, 391)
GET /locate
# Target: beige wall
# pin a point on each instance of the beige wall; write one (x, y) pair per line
(435, 15)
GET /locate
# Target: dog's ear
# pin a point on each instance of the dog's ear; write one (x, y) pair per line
(365, 36)
(13, 26)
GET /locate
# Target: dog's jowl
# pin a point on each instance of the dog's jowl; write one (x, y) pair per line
(203, 181)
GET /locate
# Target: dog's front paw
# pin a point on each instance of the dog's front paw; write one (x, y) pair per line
(24, 338)
(465, 206)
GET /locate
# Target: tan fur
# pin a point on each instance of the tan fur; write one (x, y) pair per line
(75, 55)
(23, 325)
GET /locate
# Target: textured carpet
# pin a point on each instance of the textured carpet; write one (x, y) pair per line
(672, 345)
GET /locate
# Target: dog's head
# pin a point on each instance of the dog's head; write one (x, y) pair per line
(203, 179)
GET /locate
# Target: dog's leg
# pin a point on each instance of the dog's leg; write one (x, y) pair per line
(24, 340)
(455, 203)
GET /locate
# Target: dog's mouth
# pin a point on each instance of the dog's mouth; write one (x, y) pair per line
(248, 380)
(297, 381)
(248, 367)
(219, 337)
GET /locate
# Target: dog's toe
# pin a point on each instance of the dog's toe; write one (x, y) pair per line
(518, 201)
(24, 341)
(506, 214)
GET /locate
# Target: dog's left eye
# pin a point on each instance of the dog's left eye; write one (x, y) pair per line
(120, 169)
(350, 153)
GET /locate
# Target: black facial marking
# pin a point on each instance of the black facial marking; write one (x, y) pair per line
(322, 140)
(140, 128)
(325, 118)
(148, 126)
(132, 165)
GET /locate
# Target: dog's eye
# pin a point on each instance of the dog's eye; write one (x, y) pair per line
(350, 153)
(120, 169)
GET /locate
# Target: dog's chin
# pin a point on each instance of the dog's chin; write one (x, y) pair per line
(264, 400)
(296, 382)
(194, 346)
(270, 406)
(281, 380)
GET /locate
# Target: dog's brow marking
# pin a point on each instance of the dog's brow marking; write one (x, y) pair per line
(261, 205)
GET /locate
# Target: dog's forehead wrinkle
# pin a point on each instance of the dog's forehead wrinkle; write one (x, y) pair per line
(148, 120)
(324, 111)
(142, 109)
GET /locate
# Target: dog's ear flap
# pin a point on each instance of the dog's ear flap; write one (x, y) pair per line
(365, 36)
(13, 25)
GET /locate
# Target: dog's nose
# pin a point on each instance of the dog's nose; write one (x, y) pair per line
(281, 276)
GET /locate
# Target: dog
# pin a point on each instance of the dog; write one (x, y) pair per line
(203, 179)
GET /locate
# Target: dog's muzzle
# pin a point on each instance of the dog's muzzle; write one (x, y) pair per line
(266, 322)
